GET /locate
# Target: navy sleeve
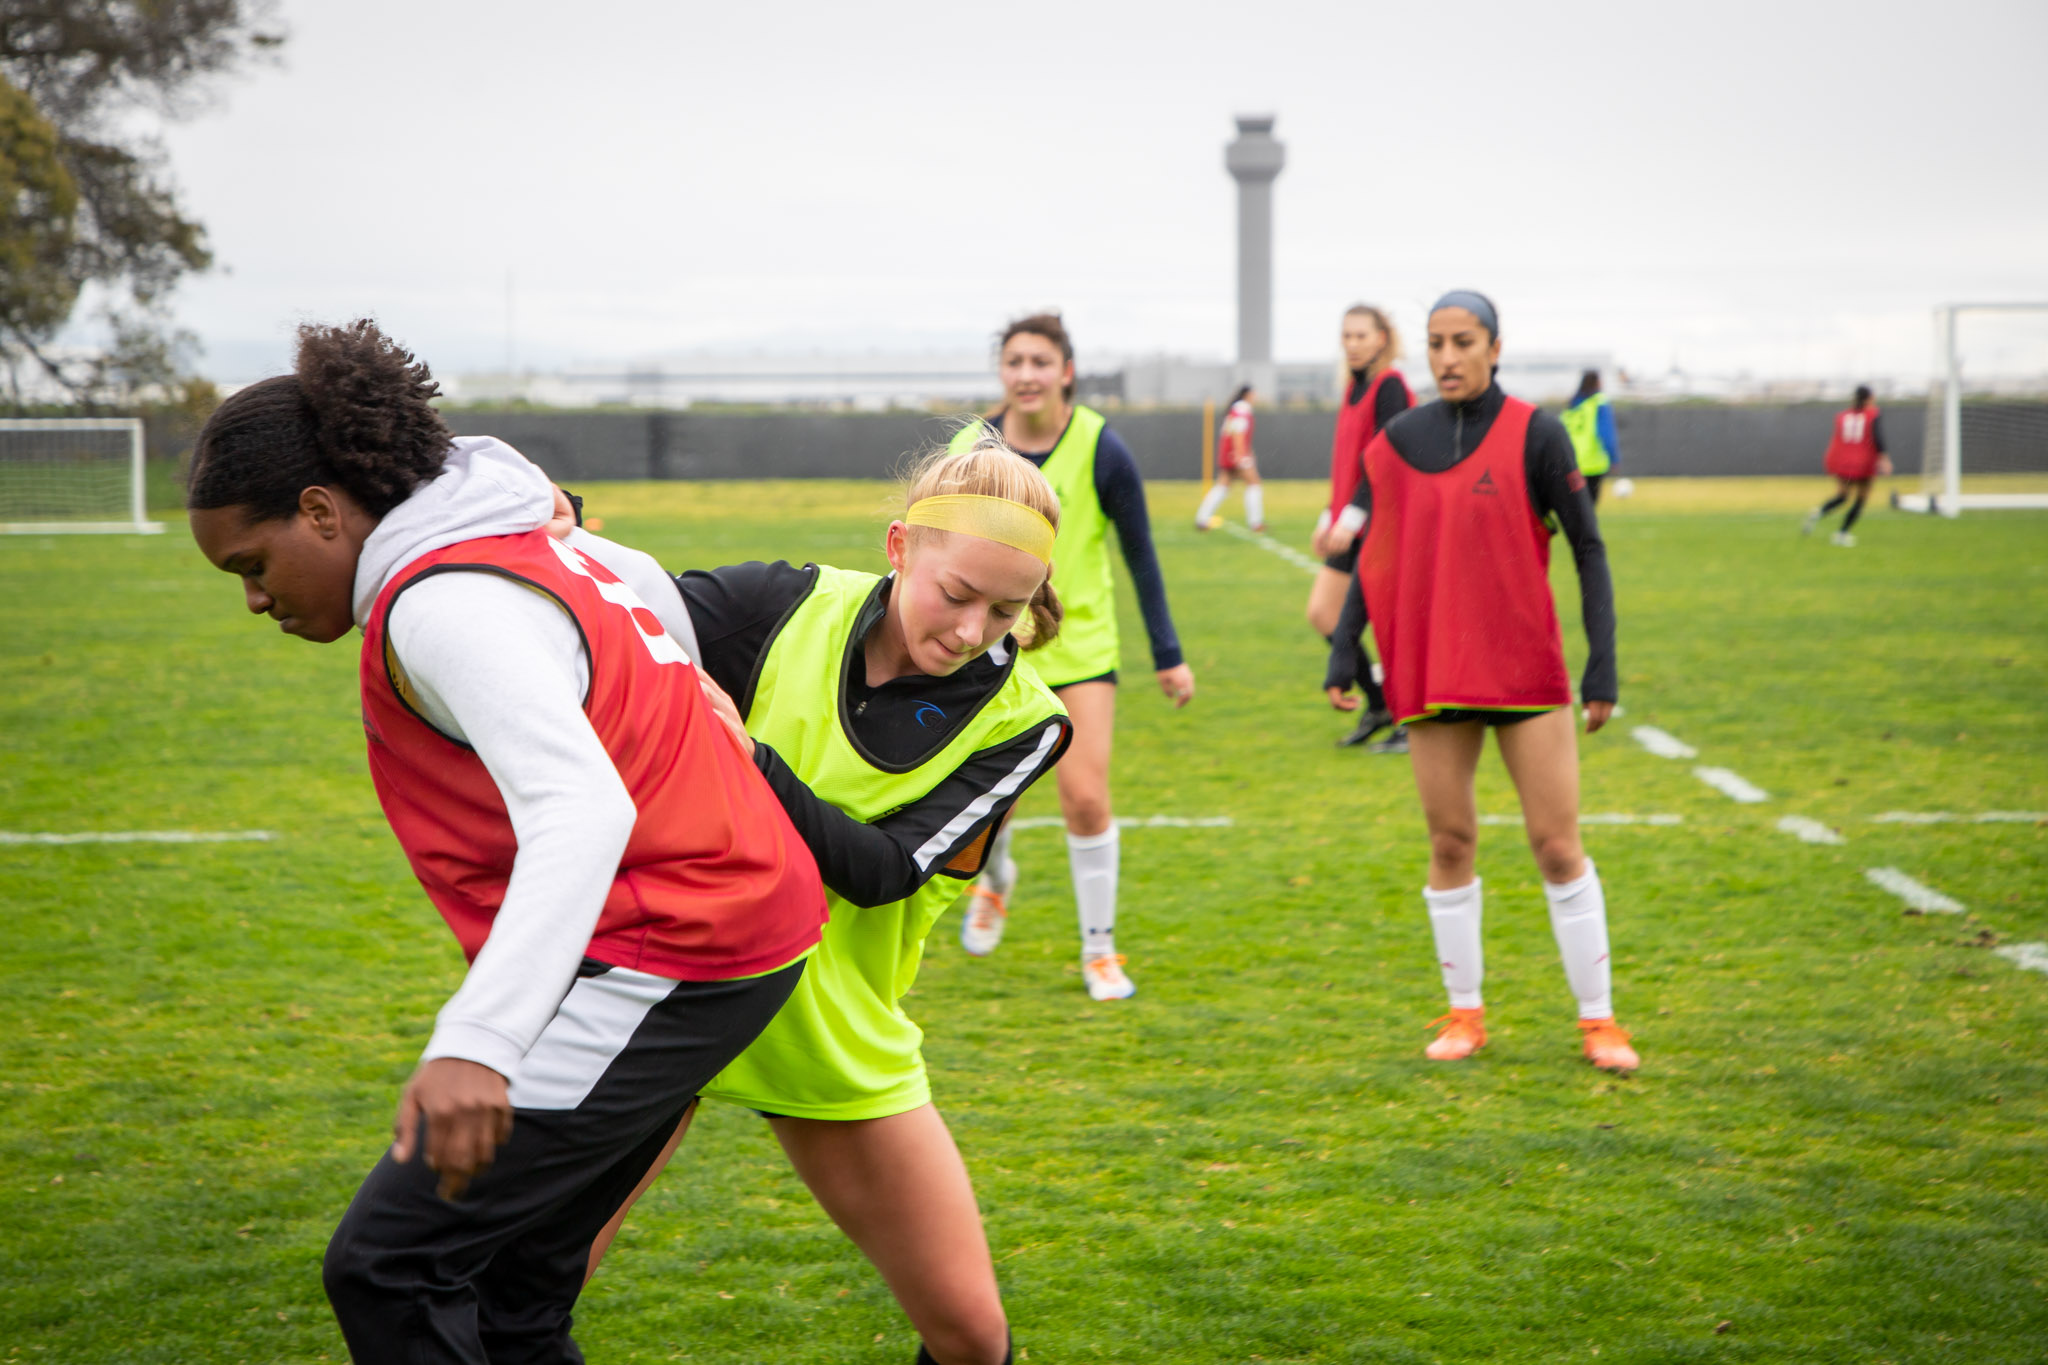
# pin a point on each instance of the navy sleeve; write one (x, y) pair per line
(1610, 433)
(1122, 495)
(1877, 433)
(1559, 491)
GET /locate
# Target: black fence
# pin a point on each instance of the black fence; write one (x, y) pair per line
(1656, 439)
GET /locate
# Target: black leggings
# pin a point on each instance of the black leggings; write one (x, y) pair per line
(491, 1278)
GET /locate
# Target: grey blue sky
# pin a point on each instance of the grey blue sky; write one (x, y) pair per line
(1784, 189)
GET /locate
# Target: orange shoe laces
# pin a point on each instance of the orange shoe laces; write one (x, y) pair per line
(1456, 1019)
(1101, 962)
(985, 901)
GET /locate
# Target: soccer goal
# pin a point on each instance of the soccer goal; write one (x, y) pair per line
(60, 474)
(1987, 410)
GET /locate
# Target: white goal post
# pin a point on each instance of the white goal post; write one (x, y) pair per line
(1995, 355)
(72, 474)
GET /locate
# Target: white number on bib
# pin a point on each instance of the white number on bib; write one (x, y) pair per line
(1852, 427)
(660, 644)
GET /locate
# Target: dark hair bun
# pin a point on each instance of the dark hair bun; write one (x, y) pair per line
(372, 411)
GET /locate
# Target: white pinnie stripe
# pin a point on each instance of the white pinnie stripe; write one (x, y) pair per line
(977, 810)
(143, 836)
(1661, 744)
(1808, 831)
(2031, 957)
(1595, 818)
(1941, 817)
(1272, 546)
(1135, 822)
(1920, 897)
(1731, 785)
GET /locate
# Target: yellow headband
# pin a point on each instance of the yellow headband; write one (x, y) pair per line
(998, 519)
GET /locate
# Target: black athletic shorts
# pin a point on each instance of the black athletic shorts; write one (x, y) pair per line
(1452, 715)
(1345, 561)
(1109, 677)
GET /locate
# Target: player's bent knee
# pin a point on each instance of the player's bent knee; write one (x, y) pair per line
(1560, 857)
(976, 1338)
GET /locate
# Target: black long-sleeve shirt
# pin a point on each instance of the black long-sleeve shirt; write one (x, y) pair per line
(1121, 491)
(736, 612)
(1436, 437)
(1391, 403)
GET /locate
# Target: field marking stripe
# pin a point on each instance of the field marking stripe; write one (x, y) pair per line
(1809, 831)
(142, 836)
(2031, 957)
(1272, 546)
(1732, 785)
(1940, 817)
(1662, 744)
(1135, 822)
(1596, 818)
(1915, 894)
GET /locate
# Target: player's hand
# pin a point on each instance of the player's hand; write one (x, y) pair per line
(1318, 543)
(468, 1117)
(1341, 698)
(1598, 713)
(727, 713)
(1178, 683)
(1337, 540)
(564, 520)
(1884, 466)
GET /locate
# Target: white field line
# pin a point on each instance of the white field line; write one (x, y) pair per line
(1134, 822)
(2032, 957)
(142, 836)
(1917, 896)
(1731, 785)
(1661, 744)
(1808, 831)
(1595, 818)
(1942, 817)
(1272, 546)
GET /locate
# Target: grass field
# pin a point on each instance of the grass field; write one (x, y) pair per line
(1835, 1150)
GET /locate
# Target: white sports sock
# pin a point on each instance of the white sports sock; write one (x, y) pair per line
(1211, 500)
(1093, 859)
(1578, 916)
(1454, 919)
(999, 869)
(1255, 505)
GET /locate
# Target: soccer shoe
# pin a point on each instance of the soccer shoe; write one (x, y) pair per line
(1369, 724)
(1843, 539)
(1464, 1033)
(1396, 743)
(1607, 1046)
(981, 928)
(1214, 523)
(1812, 520)
(1104, 974)
(1260, 529)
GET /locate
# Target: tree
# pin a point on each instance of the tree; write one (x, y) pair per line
(86, 208)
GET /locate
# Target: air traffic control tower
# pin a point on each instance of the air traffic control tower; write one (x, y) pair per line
(1254, 160)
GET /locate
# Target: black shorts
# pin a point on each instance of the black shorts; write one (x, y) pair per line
(1452, 715)
(1345, 560)
(1109, 677)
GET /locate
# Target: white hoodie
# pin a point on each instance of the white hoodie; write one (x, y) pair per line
(503, 669)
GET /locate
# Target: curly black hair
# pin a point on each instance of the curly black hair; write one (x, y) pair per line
(356, 415)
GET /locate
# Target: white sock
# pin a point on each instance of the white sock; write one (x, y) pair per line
(999, 869)
(1093, 859)
(1211, 500)
(1578, 916)
(1454, 919)
(1255, 505)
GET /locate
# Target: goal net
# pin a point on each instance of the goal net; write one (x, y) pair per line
(72, 474)
(1986, 441)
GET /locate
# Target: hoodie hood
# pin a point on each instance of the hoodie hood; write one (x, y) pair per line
(486, 488)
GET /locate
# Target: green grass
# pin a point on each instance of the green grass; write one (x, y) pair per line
(1835, 1147)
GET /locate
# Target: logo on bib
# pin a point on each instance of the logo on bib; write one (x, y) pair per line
(1486, 485)
(926, 713)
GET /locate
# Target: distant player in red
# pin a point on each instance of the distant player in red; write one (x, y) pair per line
(1454, 572)
(1855, 457)
(1377, 395)
(633, 901)
(1237, 462)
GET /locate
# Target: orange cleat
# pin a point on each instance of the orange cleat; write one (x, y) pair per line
(1464, 1034)
(1607, 1046)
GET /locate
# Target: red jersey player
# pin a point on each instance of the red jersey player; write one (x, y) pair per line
(1855, 457)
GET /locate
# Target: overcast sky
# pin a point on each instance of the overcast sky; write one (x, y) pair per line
(1782, 188)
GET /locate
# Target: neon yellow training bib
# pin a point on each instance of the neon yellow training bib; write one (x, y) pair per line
(1087, 646)
(1582, 424)
(842, 1047)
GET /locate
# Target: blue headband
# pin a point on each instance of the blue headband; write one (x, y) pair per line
(1477, 304)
